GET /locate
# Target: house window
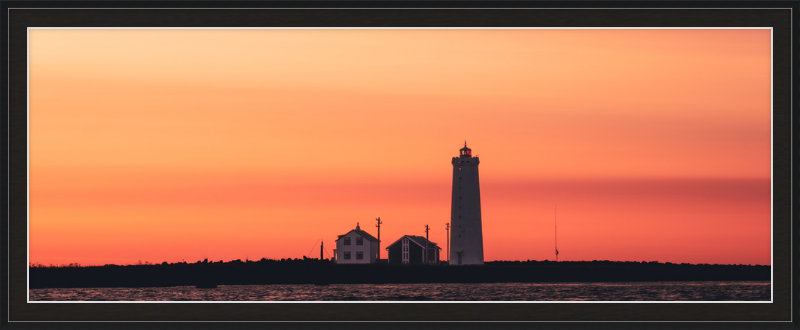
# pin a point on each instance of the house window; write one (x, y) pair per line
(359, 241)
(359, 255)
(347, 241)
(347, 255)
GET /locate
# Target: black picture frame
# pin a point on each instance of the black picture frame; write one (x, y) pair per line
(780, 15)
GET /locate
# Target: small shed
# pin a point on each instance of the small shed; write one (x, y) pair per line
(410, 249)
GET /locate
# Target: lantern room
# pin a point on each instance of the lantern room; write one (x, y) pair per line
(466, 152)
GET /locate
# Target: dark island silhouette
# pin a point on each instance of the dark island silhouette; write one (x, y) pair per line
(209, 274)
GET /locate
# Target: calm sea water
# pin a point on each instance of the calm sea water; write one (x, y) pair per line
(597, 291)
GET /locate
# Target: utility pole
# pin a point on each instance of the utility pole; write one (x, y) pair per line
(379, 237)
(320, 250)
(427, 258)
(447, 228)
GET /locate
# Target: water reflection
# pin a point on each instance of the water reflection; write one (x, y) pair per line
(625, 291)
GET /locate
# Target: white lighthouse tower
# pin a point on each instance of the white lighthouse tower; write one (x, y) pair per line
(466, 235)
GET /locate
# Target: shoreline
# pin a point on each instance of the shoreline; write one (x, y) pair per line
(433, 283)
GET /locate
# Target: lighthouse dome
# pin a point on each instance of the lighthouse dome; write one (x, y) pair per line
(465, 152)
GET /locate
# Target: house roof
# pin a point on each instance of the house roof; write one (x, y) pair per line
(362, 233)
(419, 240)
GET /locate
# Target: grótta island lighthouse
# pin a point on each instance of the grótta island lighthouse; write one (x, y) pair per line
(466, 236)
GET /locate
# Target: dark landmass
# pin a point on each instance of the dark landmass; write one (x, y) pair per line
(315, 271)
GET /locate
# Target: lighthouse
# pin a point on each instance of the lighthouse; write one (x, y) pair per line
(466, 234)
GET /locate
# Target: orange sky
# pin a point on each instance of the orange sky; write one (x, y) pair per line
(164, 145)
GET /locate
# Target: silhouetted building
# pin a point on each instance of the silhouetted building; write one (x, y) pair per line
(410, 249)
(356, 247)
(466, 234)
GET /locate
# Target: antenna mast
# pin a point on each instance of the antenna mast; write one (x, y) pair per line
(556, 223)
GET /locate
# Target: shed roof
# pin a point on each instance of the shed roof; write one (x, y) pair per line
(419, 240)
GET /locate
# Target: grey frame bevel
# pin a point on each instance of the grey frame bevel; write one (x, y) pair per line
(596, 14)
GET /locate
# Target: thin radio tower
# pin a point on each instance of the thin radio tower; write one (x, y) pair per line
(556, 223)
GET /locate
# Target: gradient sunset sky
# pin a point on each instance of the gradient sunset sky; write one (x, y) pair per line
(170, 145)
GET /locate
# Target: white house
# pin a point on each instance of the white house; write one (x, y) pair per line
(356, 247)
